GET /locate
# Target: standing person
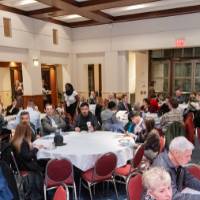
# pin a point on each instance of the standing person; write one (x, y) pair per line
(26, 159)
(92, 98)
(19, 93)
(71, 100)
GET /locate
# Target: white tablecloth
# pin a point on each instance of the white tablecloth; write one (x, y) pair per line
(83, 149)
(122, 116)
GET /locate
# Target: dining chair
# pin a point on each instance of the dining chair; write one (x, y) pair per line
(59, 173)
(124, 171)
(102, 172)
(194, 170)
(134, 187)
(189, 127)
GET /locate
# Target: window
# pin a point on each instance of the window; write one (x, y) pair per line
(183, 76)
(197, 76)
(7, 27)
(160, 76)
(55, 36)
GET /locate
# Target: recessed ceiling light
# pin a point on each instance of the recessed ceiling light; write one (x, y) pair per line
(135, 7)
(26, 2)
(71, 16)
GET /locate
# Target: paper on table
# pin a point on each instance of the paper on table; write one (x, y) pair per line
(190, 191)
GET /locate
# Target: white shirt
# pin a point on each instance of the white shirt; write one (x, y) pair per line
(70, 99)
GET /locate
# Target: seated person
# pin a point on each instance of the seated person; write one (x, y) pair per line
(109, 120)
(145, 105)
(153, 108)
(12, 109)
(140, 128)
(25, 119)
(173, 115)
(157, 183)
(86, 121)
(180, 152)
(8, 185)
(179, 96)
(152, 145)
(51, 122)
(129, 127)
(25, 155)
(98, 109)
(33, 113)
(3, 124)
(124, 105)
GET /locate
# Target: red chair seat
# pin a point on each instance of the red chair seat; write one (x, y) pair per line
(88, 176)
(51, 183)
(195, 171)
(125, 170)
(60, 194)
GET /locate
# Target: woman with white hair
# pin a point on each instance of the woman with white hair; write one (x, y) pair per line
(157, 182)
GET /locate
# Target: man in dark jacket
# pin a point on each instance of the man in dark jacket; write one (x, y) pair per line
(124, 105)
(86, 121)
(12, 109)
(180, 152)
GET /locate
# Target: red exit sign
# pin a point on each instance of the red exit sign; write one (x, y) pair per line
(180, 42)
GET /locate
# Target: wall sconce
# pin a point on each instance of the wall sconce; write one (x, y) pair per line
(36, 62)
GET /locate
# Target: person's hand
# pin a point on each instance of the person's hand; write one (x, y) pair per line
(91, 129)
(37, 136)
(39, 146)
(77, 129)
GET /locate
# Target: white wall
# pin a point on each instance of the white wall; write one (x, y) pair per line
(107, 45)
(5, 86)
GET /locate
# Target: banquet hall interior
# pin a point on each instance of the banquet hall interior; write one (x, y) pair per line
(99, 99)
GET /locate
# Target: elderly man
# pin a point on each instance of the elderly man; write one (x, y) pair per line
(180, 152)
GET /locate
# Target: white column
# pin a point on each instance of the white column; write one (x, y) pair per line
(32, 78)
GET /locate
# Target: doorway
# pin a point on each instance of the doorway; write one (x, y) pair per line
(10, 73)
(95, 78)
(50, 83)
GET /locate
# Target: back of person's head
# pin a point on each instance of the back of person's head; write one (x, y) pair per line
(146, 100)
(180, 144)
(155, 178)
(84, 104)
(130, 116)
(150, 124)
(22, 132)
(31, 103)
(111, 105)
(174, 103)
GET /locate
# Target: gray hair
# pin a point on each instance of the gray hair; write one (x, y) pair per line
(180, 144)
(155, 177)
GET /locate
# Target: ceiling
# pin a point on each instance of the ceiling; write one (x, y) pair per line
(77, 13)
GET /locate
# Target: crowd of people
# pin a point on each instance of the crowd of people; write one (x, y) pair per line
(164, 181)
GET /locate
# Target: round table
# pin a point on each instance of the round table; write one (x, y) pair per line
(83, 149)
